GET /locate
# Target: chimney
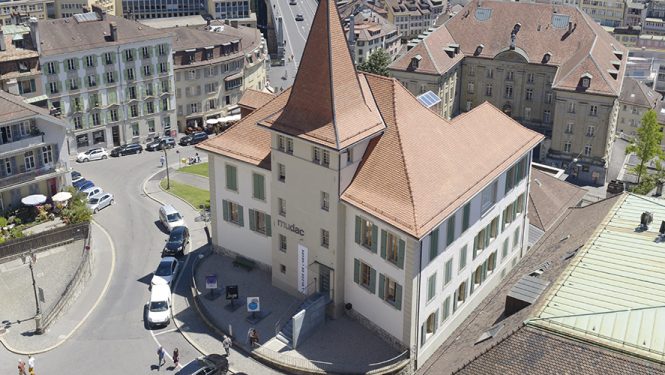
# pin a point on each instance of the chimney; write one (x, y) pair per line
(570, 26)
(208, 22)
(85, 9)
(3, 47)
(34, 34)
(100, 12)
(113, 31)
(234, 24)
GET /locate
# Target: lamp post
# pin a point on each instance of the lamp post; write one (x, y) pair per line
(38, 314)
(166, 159)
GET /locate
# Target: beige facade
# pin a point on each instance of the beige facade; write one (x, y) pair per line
(16, 12)
(605, 12)
(68, 8)
(413, 17)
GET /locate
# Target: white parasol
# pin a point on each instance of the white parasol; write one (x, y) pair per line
(34, 200)
(62, 196)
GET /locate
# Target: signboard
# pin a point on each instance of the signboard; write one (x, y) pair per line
(231, 292)
(302, 269)
(253, 304)
(211, 282)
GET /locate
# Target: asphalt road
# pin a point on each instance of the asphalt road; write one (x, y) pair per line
(114, 339)
(295, 33)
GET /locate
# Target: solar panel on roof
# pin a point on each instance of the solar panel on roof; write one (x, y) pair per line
(483, 14)
(560, 21)
(429, 99)
(86, 17)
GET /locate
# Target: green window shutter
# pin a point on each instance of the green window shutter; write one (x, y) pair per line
(434, 244)
(57, 66)
(268, 226)
(252, 224)
(398, 297)
(382, 281)
(356, 271)
(372, 280)
(77, 63)
(450, 232)
(400, 255)
(384, 238)
(484, 274)
(375, 237)
(358, 229)
(455, 301)
(466, 216)
(241, 221)
(471, 284)
(225, 209)
(262, 187)
(422, 334)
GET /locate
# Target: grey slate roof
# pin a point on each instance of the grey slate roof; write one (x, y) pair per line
(637, 93)
(66, 35)
(549, 197)
(13, 107)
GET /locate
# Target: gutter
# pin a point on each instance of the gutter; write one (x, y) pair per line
(420, 269)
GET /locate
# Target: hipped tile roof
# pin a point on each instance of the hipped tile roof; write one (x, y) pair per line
(637, 93)
(549, 198)
(13, 107)
(327, 105)
(423, 167)
(253, 99)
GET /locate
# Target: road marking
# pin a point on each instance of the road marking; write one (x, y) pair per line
(167, 331)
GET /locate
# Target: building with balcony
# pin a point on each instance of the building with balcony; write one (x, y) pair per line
(559, 73)
(605, 12)
(33, 152)
(413, 17)
(239, 11)
(111, 78)
(19, 64)
(635, 13)
(370, 33)
(345, 186)
(213, 67)
(20, 11)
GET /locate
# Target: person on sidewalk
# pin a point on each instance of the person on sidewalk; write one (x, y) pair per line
(226, 343)
(31, 364)
(21, 367)
(160, 356)
(254, 339)
(176, 357)
(162, 160)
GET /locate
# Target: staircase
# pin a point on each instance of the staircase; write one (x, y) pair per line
(315, 303)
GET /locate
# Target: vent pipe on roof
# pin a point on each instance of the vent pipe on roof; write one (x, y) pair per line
(645, 219)
(113, 28)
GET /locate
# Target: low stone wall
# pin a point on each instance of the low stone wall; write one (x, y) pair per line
(13, 249)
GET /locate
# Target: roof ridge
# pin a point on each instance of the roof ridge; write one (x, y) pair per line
(432, 59)
(535, 208)
(332, 79)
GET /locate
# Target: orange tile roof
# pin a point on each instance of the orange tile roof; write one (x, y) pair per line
(253, 99)
(588, 48)
(423, 167)
(244, 140)
(327, 105)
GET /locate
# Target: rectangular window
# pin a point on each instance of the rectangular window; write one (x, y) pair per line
(488, 197)
(325, 201)
(231, 178)
(466, 216)
(431, 287)
(108, 58)
(448, 272)
(325, 238)
(90, 61)
(547, 116)
(364, 275)
(162, 49)
(281, 172)
(529, 94)
(258, 182)
(433, 244)
(490, 73)
(462, 258)
(129, 55)
(593, 110)
(548, 97)
(460, 295)
(71, 64)
(470, 88)
(510, 75)
(95, 119)
(233, 212)
(368, 234)
(51, 68)
(110, 77)
(150, 107)
(445, 313)
(29, 158)
(47, 154)
(114, 114)
(508, 92)
(390, 291)
(147, 70)
(134, 110)
(281, 203)
(491, 263)
(450, 231)
(282, 243)
(392, 248)
(163, 67)
(504, 250)
(567, 146)
(53, 87)
(151, 126)
(516, 237)
(259, 222)
(530, 77)
(145, 52)
(590, 131)
(130, 73)
(488, 90)
(73, 83)
(131, 91)
(135, 130)
(571, 107)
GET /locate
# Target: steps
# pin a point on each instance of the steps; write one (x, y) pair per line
(317, 301)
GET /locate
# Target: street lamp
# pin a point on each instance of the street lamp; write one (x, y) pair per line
(32, 259)
(166, 160)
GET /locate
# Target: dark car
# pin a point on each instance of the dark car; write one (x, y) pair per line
(75, 175)
(213, 364)
(160, 143)
(178, 239)
(193, 138)
(85, 185)
(78, 183)
(299, 17)
(133, 148)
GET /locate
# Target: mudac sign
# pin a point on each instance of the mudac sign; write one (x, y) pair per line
(291, 227)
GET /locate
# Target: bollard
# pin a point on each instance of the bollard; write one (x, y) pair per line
(38, 324)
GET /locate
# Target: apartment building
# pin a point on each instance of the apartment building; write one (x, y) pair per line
(111, 78)
(20, 11)
(213, 68)
(635, 13)
(559, 74)
(605, 12)
(33, 152)
(346, 186)
(239, 11)
(146, 9)
(19, 64)
(370, 33)
(68, 8)
(413, 17)
(653, 26)
(635, 100)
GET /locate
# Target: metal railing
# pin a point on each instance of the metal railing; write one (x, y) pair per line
(25, 175)
(44, 240)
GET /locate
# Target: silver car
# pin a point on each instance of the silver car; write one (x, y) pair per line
(100, 201)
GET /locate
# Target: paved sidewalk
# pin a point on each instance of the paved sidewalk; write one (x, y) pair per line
(53, 271)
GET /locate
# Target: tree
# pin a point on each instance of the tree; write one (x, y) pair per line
(646, 145)
(376, 63)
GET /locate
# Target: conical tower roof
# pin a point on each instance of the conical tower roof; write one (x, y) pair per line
(329, 104)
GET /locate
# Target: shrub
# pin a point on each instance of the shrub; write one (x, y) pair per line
(3, 222)
(76, 210)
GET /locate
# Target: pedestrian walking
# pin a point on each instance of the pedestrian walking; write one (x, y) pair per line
(21, 367)
(162, 160)
(176, 357)
(254, 338)
(31, 364)
(226, 343)
(160, 356)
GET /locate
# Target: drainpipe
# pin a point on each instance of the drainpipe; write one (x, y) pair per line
(526, 204)
(420, 269)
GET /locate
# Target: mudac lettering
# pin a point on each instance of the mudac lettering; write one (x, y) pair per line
(293, 228)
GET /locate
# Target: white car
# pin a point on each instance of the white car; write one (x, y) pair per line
(166, 271)
(99, 201)
(159, 306)
(92, 154)
(170, 217)
(91, 192)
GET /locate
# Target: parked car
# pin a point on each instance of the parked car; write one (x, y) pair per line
(159, 305)
(76, 175)
(193, 138)
(170, 217)
(92, 154)
(160, 143)
(86, 185)
(177, 241)
(91, 191)
(99, 201)
(77, 184)
(213, 364)
(166, 271)
(132, 148)
(293, 2)
(299, 17)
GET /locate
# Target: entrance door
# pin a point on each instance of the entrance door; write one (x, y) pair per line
(52, 186)
(115, 134)
(324, 280)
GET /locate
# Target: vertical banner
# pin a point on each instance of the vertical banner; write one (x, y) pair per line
(302, 269)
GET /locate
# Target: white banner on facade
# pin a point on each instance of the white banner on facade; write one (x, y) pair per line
(302, 269)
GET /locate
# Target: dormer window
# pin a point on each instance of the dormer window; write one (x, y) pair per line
(478, 50)
(585, 80)
(415, 61)
(547, 57)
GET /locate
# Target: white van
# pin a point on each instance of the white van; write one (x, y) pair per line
(170, 217)
(159, 306)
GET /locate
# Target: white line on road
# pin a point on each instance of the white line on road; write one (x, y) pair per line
(167, 331)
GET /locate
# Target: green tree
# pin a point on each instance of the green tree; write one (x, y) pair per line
(376, 63)
(76, 210)
(646, 145)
